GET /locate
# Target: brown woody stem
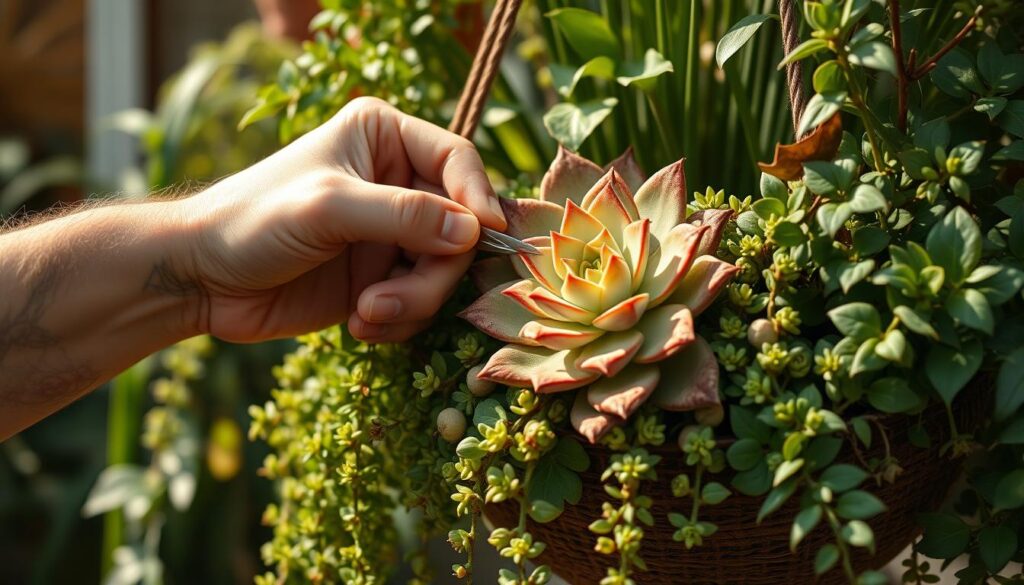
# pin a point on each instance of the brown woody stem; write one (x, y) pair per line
(930, 64)
(901, 68)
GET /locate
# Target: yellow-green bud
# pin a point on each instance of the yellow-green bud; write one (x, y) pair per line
(686, 432)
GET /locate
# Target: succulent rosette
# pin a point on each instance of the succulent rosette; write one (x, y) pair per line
(608, 305)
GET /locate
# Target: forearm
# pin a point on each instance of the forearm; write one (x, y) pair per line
(86, 295)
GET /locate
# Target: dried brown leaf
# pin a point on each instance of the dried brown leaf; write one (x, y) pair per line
(821, 144)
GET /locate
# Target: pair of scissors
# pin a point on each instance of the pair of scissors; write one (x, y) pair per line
(499, 243)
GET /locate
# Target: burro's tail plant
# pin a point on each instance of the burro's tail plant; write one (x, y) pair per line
(607, 306)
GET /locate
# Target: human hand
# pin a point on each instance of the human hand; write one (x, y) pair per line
(350, 222)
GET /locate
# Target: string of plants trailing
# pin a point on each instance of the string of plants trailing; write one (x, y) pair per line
(828, 349)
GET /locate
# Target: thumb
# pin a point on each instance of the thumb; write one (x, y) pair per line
(416, 220)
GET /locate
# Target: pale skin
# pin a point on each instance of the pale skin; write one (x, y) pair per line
(370, 219)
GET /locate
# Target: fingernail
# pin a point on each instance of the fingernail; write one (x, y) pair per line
(373, 330)
(384, 308)
(495, 206)
(459, 228)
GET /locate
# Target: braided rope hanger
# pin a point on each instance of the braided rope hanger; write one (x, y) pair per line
(794, 69)
(487, 62)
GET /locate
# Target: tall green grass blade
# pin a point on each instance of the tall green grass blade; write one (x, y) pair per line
(124, 424)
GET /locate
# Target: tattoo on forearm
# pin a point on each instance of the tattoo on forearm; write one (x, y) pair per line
(51, 376)
(163, 278)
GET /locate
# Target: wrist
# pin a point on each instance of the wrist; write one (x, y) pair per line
(172, 279)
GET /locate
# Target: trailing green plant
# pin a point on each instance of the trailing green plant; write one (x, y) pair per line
(196, 115)
(143, 495)
(866, 256)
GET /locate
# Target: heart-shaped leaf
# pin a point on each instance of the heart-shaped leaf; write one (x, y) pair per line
(738, 35)
(571, 124)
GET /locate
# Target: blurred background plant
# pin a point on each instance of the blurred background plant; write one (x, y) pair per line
(175, 503)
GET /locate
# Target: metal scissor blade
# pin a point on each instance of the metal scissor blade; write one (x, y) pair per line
(499, 243)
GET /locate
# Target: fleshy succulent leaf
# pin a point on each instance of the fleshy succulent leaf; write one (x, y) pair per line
(581, 292)
(636, 247)
(558, 308)
(716, 220)
(528, 218)
(605, 238)
(579, 224)
(702, 283)
(662, 199)
(689, 379)
(609, 354)
(540, 368)
(569, 177)
(623, 394)
(558, 334)
(563, 246)
(670, 261)
(520, 293)
(627, 166)
(539, 266)
(611, 192)
(616, 281)
(589, 422)
(666, 330)
(488, 273)
(607, 208)
(623, 315)
(497, 314)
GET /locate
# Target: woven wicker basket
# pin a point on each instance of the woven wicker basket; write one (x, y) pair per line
(743, 551)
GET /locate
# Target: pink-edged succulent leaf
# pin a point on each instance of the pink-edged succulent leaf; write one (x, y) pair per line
(624, 393)
(563, 246)
(670, 261)
(609, 354)
(605, 239)
(702, 283)
(611, 201)
(689, 379)
(607, 208)
(558, 334)
(498, 314)
(662, 199)
(624, 315)
(523, 293)
(636, 247)
(716, 220)
(539, 368)
(588, 422)
(568, 178)
(558, 308)
(488, 273)
(539, 266)
(581, 292)
(528, 218)
(666, 329)
(579, 224)
(627, 166)
(616, 281)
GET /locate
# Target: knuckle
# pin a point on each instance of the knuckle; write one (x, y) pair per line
(462, 144)
(321, 192)
(364, 103)
(413, 210)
